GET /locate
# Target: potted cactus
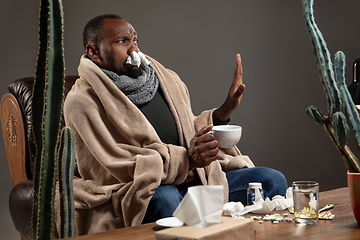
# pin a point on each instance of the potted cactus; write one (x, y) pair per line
(342, 115)
(55, 147)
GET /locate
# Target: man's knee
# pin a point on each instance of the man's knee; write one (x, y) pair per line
(166, 195)
(273, 182)
(166, 198)
(163, 203)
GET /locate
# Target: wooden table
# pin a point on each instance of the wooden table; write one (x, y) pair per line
(343, 226)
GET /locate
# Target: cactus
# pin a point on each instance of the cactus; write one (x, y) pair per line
(338, 97)
(66, 156)
(46, 114)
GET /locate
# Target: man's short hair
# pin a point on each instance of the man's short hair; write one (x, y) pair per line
(92, 30)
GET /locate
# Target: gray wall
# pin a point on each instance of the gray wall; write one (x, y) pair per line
(199, 40)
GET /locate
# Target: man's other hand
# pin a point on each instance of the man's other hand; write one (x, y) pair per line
(203, 148)
(235, 94)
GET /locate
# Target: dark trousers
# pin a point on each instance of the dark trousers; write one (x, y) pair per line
(168, 197)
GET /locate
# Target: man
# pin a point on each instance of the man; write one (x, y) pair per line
(138, 144)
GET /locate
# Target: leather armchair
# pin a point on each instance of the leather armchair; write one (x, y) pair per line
(16, 122)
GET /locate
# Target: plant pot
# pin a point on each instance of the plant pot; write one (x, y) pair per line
(354, 192)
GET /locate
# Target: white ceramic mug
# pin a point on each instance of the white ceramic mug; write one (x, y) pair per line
(227, 135)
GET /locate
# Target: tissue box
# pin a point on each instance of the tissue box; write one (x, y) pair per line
(228, 229)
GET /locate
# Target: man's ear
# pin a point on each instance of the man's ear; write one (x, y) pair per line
(92, 51)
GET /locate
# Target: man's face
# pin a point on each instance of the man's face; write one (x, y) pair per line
(118, 40)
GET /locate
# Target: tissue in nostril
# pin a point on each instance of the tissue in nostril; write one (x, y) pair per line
(143, 58)
(136, 58)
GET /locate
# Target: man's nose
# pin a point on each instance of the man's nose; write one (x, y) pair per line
(133, 47)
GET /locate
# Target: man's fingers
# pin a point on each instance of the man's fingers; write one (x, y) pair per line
(207, 145)
(238, 69)
(204, 148)
(204, 130)
(204, 160)
(240, 90)
(213, 154)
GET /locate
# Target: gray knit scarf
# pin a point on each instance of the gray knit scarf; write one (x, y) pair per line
(139, 90)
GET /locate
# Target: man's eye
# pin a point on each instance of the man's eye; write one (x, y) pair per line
(122, 40)
(135, 41)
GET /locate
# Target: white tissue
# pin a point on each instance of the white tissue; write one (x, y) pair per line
(281, 202)
(289, 193)
(201, 206)
(313, 203)
(258, 195)
(260, 206)
(136, 58)
(143, 58)
(236, 209)
(232, 207)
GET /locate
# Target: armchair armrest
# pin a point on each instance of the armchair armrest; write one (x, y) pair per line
(21, 207)
(14, 137)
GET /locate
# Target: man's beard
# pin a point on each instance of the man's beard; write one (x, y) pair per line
(132, 73)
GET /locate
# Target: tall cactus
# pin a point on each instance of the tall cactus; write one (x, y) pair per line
(46, 113)
(337, 94)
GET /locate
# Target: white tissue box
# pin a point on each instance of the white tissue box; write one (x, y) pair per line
(228, 229)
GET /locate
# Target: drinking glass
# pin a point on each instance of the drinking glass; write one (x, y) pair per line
(306, 202)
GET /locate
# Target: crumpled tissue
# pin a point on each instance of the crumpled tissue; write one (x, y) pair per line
(261, 206)
(201, 206)
(136, 58)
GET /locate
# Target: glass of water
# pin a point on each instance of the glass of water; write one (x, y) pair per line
(306, 202)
